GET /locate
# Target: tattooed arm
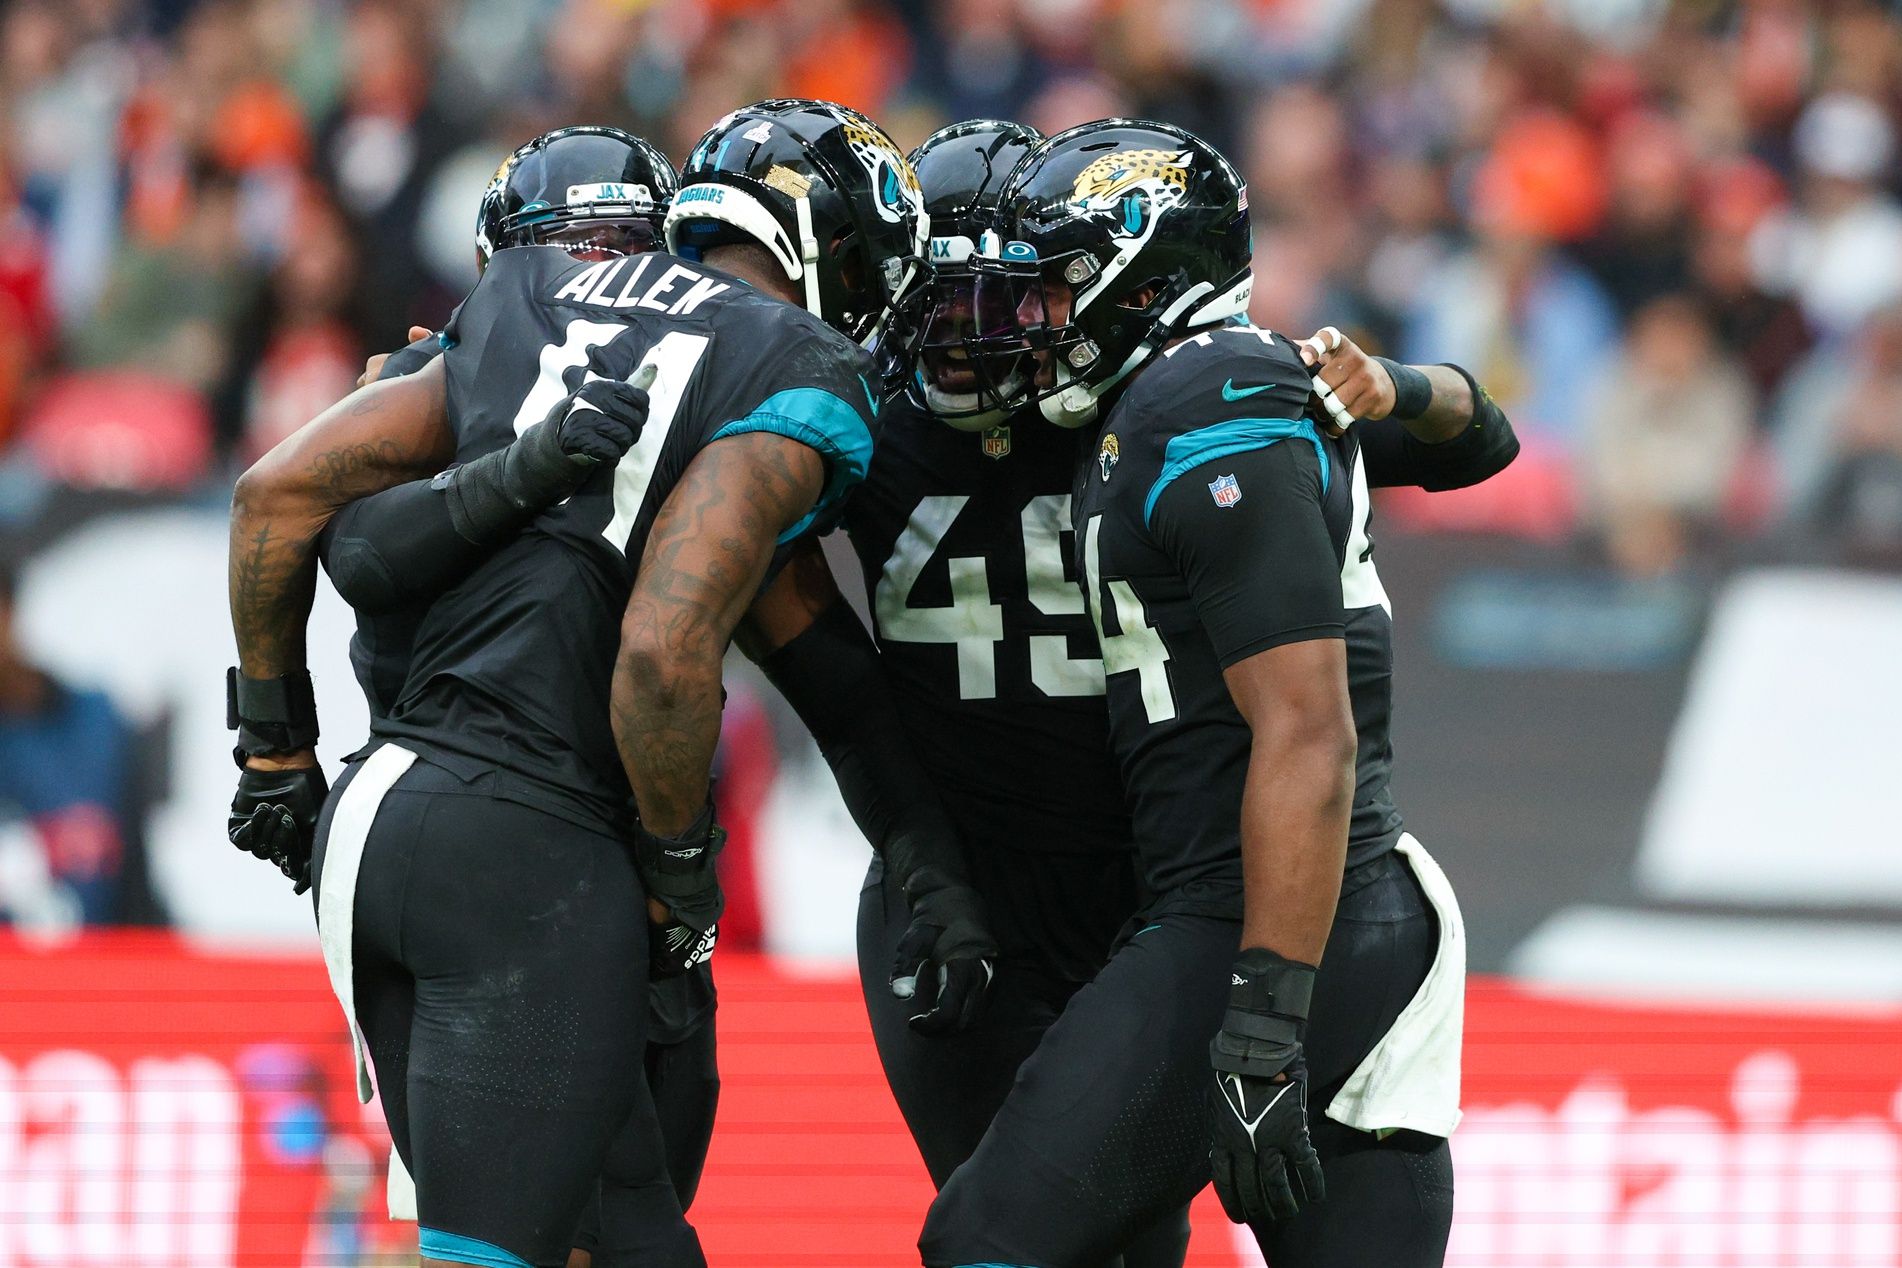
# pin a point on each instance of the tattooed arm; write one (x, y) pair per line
(704, 561)
(377, 437)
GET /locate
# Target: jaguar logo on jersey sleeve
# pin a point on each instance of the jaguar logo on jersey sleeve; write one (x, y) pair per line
(1108, 456)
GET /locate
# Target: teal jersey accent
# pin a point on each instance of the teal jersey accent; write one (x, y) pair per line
(433, 1243)
(816, 418)
(1220, 440)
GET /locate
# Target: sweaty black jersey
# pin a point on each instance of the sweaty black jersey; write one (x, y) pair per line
(511, 667)
(1215, 521)
(982, 632)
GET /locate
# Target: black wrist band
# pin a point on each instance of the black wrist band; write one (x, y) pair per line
(1263, 982)
(271, 715)
(1412, 390)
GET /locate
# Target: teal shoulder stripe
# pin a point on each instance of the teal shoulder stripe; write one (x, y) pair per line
(454, 1248)
(814, 417)
(1221, 440)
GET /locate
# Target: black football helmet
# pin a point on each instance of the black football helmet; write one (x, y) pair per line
(597, 191)
(1139, 233)
(962, 169)
(825, 191)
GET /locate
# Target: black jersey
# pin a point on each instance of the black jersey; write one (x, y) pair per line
(1214, 521)
(963, 538)
(511, 668)
(382, 646)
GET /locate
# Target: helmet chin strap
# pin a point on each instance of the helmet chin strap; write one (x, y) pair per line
(808, 254)
(959, 410)
(1073, 406)
(1076, 404)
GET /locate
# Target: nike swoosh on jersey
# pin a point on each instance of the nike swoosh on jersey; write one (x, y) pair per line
(1232, 393)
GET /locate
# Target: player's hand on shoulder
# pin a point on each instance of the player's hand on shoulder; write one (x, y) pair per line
(274, 814)
(1263, 1159)
(373, 368)
(603, 418)
(1348, 382)
(947, 956)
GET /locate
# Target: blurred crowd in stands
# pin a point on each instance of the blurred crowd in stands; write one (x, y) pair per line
(1664, 232)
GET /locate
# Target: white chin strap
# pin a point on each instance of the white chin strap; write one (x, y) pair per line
(959, 410)
(731, 205)
(1232, 302)
(1076, 404)
(1073, 406)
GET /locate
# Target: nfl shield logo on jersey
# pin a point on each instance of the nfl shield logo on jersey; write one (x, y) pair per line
(1225, 491)
(997, 442)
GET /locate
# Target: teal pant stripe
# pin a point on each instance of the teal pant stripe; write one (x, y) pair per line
(433, 1243)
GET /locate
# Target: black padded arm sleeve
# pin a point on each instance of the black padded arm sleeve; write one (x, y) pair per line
(1394, 456)
(397, 548)
(1263, 571)
(831, 676)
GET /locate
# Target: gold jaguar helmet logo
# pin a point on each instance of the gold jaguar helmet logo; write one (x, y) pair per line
(1164, 173)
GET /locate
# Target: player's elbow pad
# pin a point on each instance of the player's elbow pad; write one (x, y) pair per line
(1482, 451)
(362, 577)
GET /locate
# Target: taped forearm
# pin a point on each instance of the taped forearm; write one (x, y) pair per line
(831, 676)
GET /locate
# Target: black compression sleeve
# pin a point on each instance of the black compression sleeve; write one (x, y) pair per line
(1392, 455)
(397, 548)
(1262, 571)
(831, 676)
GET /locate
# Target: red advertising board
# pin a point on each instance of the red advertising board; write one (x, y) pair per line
(174, 1109)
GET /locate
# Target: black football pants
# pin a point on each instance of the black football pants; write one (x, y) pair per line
(949, 1087)
(499, 969)
(1106, 1128)
(635, 1218)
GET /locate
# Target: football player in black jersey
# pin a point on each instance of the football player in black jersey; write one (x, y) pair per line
(599, 193)
(382, 547)
(1222, 538)
(498, 949)
(1016, 731)
(960, 530)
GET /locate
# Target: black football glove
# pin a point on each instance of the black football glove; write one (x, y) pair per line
(274, 816)
(1264, 1162)
(679, 874)
(587, 429)
(946, 956)
(674, 948)
(603, 418)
